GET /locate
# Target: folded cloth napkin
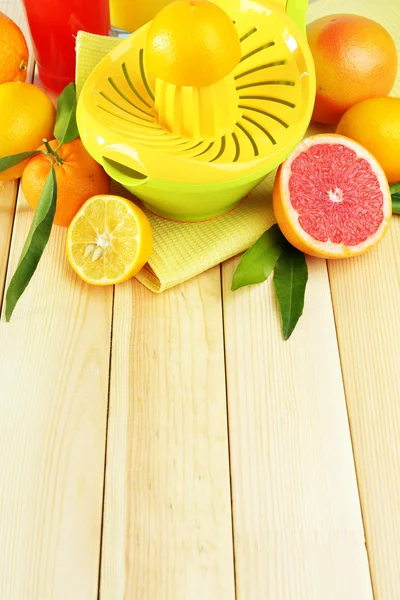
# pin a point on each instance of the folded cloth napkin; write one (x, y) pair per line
(183, 250)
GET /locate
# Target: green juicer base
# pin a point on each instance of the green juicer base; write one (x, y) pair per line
(191, 203)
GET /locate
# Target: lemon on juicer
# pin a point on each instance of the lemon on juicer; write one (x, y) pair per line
(192, 43)
(192, 48)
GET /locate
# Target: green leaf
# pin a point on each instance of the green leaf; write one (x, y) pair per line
(257, 263)
(66, 129)
(35, 244)
(6, 162)
(290, 279)
(395, 191)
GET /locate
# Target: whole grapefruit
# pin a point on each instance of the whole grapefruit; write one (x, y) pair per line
(355, 59)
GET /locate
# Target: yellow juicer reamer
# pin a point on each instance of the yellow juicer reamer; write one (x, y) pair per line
(193, 153)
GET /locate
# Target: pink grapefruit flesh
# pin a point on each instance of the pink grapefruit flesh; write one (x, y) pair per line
(332, 198)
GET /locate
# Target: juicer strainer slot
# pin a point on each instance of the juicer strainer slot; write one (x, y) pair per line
(132, 87)
(256, 50)
(277, 63)
(143, 74)
(248, 34)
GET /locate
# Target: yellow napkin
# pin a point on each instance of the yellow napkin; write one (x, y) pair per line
(183, 250)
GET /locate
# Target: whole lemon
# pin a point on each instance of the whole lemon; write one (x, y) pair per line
(355, 59)
(375, 124)
(192, 43)
(27, 116)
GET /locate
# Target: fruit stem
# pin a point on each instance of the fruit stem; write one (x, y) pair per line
(22, 65)
(53, 153)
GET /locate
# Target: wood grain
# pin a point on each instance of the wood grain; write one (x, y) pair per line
(54, 363)
(297, 523)
(54, 366)
(167, 520)
(8, 198)
(54, 359)
(366, 294)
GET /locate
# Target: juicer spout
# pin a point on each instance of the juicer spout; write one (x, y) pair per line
(122, 166)
(295, 9)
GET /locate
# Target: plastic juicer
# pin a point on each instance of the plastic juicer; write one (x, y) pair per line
(193, 153)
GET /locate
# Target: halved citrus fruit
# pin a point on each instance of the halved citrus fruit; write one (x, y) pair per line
(109, 240)
(331, 198)
(192, 43)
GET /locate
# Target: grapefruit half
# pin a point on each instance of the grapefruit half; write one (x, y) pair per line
(332, 198)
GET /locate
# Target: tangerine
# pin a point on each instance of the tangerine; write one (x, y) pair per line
(79, 177)
(14, 53)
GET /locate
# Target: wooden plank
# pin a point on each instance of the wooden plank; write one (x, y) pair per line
(54, 366)
(297, 524)
(366, 292)
(8, 198)
(54, 362)
(167, 519)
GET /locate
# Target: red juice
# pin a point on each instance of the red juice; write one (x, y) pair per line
(54, 25)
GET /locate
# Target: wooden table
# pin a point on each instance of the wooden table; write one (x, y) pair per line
(173, 447)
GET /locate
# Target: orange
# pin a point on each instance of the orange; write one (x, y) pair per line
(14, 54)
(331, 198)
(192, 43)
(109, 240)
(27, 116)
(355, 59)
(78, 176)
(375, 124)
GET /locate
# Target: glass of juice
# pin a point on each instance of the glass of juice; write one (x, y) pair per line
(54, 25)
(129, 15)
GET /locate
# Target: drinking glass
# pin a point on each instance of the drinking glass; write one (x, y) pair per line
(54, 25)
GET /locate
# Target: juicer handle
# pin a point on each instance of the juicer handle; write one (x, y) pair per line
(295, 9)
(123, 168)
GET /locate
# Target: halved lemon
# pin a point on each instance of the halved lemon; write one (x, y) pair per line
(109, 240)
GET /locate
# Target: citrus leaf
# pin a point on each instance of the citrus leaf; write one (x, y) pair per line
(257, 263)
(35, 244)
(395, 191)
(6, 162)
(66, 129)
(290, 280)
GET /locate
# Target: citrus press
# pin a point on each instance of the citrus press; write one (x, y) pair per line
(191, 153)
